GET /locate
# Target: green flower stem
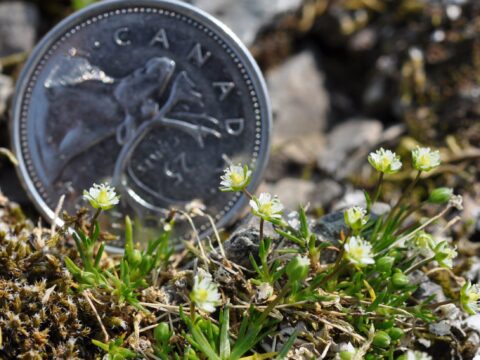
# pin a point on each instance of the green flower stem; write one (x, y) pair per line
(406, 216)
(247, 193)
(192, 312)
(378, 189)
(402, 196)
(92, 223)
(412, 234)
(260, 236)
(339, 265)
(419, 265)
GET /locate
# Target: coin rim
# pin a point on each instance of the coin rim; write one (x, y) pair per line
(221, 30)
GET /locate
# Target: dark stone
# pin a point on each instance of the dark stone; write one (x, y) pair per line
(426, 287)
(328, 229)
(240, 245)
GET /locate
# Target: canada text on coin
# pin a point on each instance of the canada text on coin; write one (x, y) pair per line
(154, 97)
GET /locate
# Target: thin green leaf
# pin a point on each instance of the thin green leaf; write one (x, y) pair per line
(224, 338)
(100, 251)
(286, 347)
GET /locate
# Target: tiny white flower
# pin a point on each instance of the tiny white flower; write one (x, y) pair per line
(358, 251)
(264, 291)
(470, 298)
(444, 254)
(424, 159)
(205, 293)
(267, 207)
(385, 161)
(235, 178)
(416, 355)
(456, 201)
(101, 196)
(355, 217)
(424, 243)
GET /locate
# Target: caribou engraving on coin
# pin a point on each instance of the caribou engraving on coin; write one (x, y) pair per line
(151, 96)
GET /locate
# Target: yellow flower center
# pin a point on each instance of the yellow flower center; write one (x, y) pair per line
(266, 208)
(236, 179)
(473, 297)
(424, 160)
(385, 162)
(102, 197)
(201, 295)
(357, 252)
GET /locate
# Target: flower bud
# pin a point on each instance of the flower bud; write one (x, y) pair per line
(400, 280)
(385, 264)
(136, 257)
(355, 217)
(297, 268)
(381, 339)
(440, 195)
(395, 333)
(345, 355)
(162, 333)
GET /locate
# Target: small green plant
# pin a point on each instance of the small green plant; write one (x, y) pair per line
(365, 291)
(126, 279)
(375, 257)
(114, 350)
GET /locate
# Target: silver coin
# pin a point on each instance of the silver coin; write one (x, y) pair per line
(155, 97)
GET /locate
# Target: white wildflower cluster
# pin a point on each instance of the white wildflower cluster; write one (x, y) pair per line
(387, 162)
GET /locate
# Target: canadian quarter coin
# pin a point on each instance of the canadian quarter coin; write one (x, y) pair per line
(153, 96)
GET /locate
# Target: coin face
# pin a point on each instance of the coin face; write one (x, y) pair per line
(154, 97)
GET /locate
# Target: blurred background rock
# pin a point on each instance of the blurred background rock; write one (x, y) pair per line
(345, 76)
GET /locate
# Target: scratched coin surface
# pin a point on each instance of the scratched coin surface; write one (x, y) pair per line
(154, 97)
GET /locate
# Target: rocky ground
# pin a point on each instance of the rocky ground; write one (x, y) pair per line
(344, 77)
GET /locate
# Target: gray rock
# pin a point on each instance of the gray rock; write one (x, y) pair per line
(348, 145)
(6, 90)
(304, 152)
(293, 192)
(426, 287)
(441, 328)
(357, 198)
(247, 17)
(300, 101)
(325, 192)
(328, 229)
(473, 322)
(18, 26)
(240, 245)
